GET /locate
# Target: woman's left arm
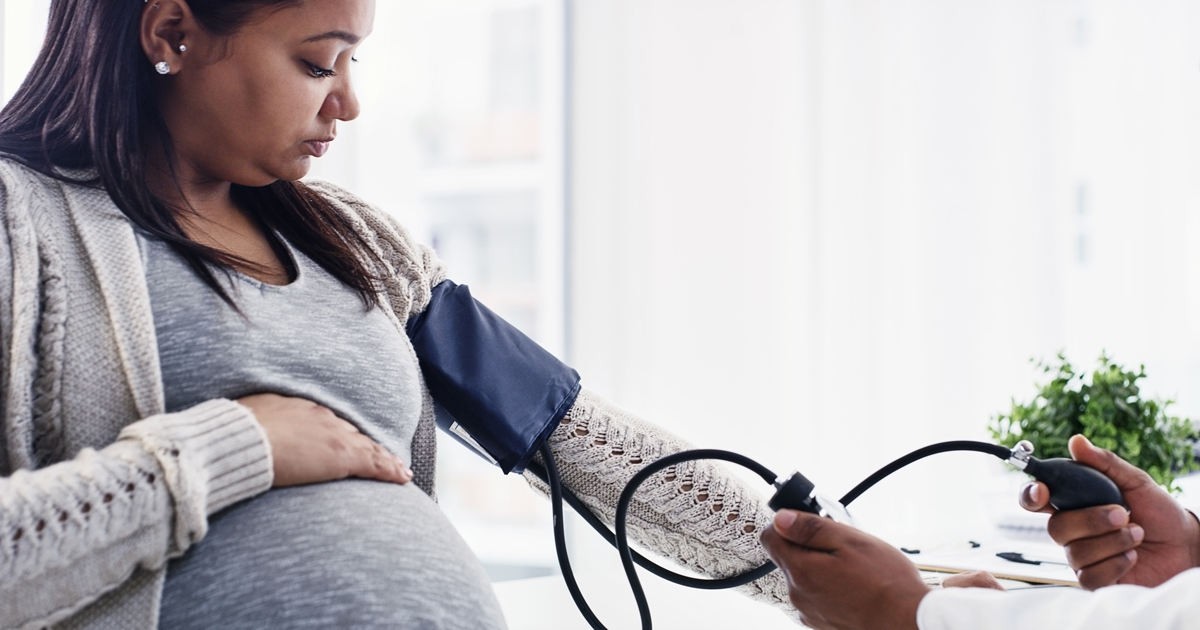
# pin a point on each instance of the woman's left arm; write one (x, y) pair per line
(696, 514)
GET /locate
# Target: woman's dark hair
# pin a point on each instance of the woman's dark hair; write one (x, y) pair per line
(88, 103)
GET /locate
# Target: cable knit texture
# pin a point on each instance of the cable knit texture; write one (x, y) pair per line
(115, 505)
(696, 513)
(211, 457)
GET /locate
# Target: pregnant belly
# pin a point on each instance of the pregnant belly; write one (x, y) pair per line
(348, 554)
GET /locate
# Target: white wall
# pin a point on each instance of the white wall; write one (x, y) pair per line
(824, 233)
(22, 28)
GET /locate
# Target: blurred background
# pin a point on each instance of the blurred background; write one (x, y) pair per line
(818, 232)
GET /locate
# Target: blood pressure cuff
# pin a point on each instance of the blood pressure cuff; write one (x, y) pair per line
(502, 392)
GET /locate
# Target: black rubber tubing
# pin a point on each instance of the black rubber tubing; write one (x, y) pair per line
(549, 474)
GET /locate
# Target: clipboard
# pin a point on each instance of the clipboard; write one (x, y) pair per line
(968, 556)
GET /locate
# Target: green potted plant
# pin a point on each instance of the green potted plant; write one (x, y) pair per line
(1106, 407)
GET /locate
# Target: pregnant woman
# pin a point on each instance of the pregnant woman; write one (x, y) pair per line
(217, 401)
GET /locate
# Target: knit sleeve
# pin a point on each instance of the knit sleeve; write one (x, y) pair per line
(72, 531)
(696, 513)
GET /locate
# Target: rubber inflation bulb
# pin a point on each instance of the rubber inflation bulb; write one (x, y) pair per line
(1074, 486)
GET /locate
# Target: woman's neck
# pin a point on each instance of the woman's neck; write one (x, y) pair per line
(209, 216)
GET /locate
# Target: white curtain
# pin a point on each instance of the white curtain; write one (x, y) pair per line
(824, 233)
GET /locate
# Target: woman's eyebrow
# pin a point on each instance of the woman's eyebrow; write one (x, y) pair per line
(349, 38)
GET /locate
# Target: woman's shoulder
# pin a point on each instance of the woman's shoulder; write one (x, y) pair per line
(372, 221)
(24, 188)
(338, 195)
(413, 265)
(17, 171)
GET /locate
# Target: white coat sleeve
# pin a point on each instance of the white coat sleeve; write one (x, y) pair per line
(1173, 605)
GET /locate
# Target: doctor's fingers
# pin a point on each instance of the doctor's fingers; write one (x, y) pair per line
(807, 572)
(1090, 551)
(1107, 572)
(1035, 497)
(813, 532)
(1067, 527)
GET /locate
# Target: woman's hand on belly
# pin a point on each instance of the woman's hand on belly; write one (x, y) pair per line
(309, 444)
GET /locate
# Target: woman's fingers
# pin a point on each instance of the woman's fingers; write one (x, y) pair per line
(359, 456)
(375, 462)
(1090, 551)
(311, 444)
(973, 579)
(1107, 571)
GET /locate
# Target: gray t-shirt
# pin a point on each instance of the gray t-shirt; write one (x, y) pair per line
(355, 553)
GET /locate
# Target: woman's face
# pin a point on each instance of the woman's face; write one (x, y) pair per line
(257, 106)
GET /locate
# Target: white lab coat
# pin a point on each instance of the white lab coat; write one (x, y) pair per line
(1171, 606)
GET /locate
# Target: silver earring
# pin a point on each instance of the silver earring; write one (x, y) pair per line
(162, 67)
(182, 48)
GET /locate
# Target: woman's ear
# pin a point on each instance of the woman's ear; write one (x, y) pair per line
(166, 29)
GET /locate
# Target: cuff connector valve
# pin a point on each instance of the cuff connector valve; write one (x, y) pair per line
(798, 493)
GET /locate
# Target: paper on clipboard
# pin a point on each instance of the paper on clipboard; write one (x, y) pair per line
(959, 558)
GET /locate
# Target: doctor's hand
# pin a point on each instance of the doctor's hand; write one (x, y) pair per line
(310, 444)
(1156, 540)
(841, 578)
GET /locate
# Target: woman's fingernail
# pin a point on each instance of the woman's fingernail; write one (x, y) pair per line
(1138, 533)
(784, 519)
(1118, 517)
(1132, 555)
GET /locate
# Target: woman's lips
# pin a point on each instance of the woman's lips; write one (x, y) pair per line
(318, 147)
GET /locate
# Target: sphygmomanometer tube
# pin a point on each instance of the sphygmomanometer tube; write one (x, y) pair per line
(642, 561)
(628, 557)
(627, 498)
(922, 453)
(560, 539)
(558, 494)
(1086, 488)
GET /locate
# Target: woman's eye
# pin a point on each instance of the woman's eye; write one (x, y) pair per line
(319, 72)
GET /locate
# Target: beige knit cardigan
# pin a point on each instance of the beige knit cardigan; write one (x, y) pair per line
(100, 487)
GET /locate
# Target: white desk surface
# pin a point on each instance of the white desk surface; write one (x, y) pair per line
(544, 604)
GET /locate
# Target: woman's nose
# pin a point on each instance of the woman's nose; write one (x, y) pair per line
(342, 103)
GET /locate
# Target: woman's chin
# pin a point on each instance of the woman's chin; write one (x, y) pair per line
(294, 170)
(298, 169)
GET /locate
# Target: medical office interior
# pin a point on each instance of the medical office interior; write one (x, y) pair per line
(821, 233)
